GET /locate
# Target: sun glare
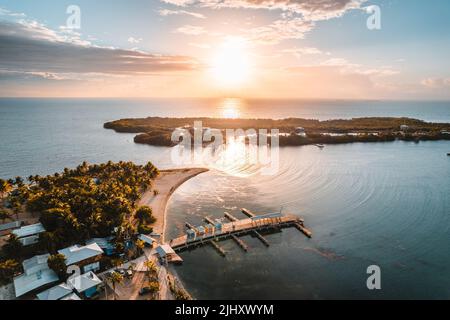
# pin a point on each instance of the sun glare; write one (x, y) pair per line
(231, 66)
(230, 108)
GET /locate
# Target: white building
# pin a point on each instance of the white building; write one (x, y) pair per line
(166, 253)
(72, 297)
(36, 275)
(29, 235)
(84, 256)
(148, 240)
(87, 284)
(300, 131)
(56, 293)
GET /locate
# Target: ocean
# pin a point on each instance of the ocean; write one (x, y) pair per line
(382, 204)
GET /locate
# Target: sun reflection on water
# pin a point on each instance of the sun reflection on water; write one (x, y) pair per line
(231, 108)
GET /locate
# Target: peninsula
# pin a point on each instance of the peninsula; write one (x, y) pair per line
(158, 131)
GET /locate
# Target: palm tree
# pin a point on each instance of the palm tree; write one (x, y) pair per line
(140, 245)
(19, 181)
(115, 278)
(13, 247)
(151, 268)
(8, 269)
(5, 187)
(57, 263)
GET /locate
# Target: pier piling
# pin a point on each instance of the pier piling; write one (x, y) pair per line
(240, 243)
(248, 213)
(230, 217)
(218, 248)
(260, 237)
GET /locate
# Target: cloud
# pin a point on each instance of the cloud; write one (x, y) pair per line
(4, 12)
(310, 10)
(200, 45)
(33, 48)
(191, 30)
(298, 52)
(167, 12)
(280, 30)
(134, 40)
(298, 16)
(436, 83)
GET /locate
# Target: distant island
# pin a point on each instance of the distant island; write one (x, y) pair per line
(157, 131)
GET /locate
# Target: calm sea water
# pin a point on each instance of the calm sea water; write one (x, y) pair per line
(385, 203)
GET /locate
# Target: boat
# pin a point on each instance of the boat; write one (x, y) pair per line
(321, 146)
(448, 154)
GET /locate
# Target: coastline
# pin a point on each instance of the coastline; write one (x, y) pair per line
(167, 182)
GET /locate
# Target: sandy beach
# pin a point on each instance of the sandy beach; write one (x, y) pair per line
(166, 184)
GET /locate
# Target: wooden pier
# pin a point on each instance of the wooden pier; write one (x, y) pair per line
(260, 237)
(248, 213)
(240, 242)
(209, 220)
(218, 248)
(189, 226)
(232, 230)
(230, 217)
(301, 227)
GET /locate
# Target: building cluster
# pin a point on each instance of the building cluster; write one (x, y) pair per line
(39, 281)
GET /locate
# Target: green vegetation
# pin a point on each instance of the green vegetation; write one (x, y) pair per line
(57, 263)
(13, 248)
(115, 278)
(145, 215)
(178, 292)
(8, 269)
(157, 131)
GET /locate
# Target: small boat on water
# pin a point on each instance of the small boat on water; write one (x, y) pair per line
(448, 154)
(320, 146)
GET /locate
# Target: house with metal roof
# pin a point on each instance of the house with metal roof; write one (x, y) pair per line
(87, 285)
(166, 253)
(36, 275)
(149, 241)
(105, 243)
(86, 257)
(10, 225)
(72, 297)
(55, 293)
(29, 235)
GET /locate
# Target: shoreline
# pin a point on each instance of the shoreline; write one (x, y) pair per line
(167, 182)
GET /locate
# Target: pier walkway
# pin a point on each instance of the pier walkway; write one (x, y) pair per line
(236, 228)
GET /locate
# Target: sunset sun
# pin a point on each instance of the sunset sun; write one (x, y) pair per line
(231, 65)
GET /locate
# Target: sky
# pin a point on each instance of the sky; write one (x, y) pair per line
(219, 48)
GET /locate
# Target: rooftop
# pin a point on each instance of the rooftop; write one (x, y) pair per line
(29, 230)
(78, 253)
(35, 264)
(146, 239)
(72, 296)
(55, 293)
(84, 282)
(104, 243)
(10, 225)
(164, 250)
(26, 283)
